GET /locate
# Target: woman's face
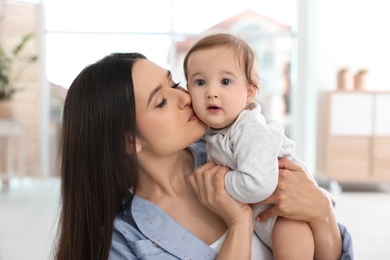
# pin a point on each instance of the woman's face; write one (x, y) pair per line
(165, 118)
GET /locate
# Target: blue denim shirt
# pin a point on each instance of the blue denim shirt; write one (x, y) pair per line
(144, 231)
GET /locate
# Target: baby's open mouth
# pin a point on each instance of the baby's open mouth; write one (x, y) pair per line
(213, 107)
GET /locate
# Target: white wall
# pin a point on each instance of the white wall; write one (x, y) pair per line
(354, 34)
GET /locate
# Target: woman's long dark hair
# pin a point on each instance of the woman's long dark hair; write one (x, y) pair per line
(97, 154)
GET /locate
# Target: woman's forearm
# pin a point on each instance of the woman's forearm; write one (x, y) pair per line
(238, 242)
(327, 237)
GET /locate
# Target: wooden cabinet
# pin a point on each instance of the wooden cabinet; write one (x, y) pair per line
(381, 158)
(354, 136)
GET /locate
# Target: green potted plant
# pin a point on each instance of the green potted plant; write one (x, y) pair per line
(12, 66)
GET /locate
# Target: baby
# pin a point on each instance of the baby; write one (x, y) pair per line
(221, 78)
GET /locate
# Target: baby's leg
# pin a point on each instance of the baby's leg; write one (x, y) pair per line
(292, 240)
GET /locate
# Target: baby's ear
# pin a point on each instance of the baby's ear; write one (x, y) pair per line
(251, 93)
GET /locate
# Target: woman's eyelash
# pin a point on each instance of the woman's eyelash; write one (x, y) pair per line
(164, 100)
(162, 103)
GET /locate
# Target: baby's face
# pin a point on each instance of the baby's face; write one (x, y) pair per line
(218, 86)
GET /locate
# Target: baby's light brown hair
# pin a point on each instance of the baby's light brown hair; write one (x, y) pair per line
(243, 52)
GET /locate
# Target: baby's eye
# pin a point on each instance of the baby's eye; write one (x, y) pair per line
(225, 81)
(200, 82)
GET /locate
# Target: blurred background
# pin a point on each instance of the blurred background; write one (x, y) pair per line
(323, 74)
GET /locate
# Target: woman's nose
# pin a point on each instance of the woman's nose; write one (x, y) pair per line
(184, 99)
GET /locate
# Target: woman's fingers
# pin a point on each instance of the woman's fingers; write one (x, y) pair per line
(209, 184)
(194, 183)
(201, 181)
(294, 195)
(220, 178)
(285, 163)
(269, 213)
(282, 163)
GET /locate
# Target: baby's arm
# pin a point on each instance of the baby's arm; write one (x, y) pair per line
(255, 149)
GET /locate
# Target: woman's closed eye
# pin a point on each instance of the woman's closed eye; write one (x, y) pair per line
(162, 103)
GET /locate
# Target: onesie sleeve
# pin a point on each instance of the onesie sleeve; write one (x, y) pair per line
(255, 149)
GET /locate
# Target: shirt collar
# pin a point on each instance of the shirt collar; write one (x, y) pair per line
(165, 232)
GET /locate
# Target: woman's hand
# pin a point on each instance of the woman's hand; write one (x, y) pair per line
(297, 196)
(208, 182)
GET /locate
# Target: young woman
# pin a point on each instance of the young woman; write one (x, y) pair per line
(136, 185)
